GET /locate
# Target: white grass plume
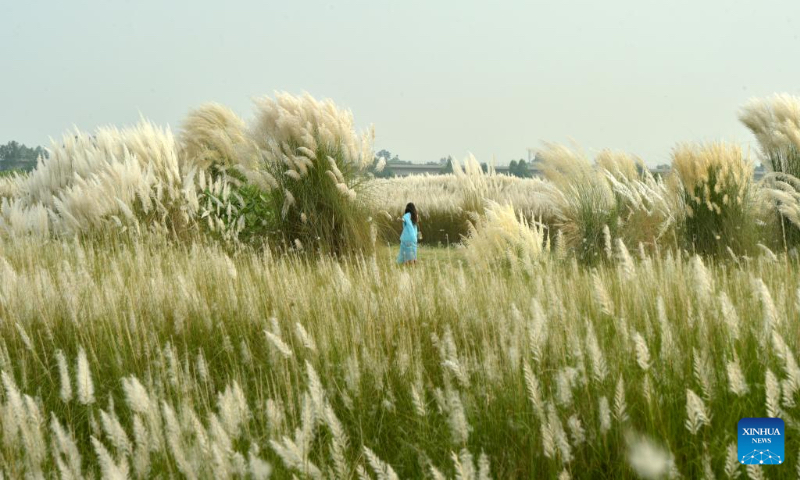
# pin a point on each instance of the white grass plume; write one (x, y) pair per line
(729, 315)
(316, 390)
(63, 373)
(233, 410)
(599, 366)
(213, 134)
(339, 442)
(732, 460)
(464, 464)
(173, 434)
(604, 414)
(279, 344)
(696, 412)
(305, 338)
(626, 263)
(608, 242)
(560, 436)
(703, 372)
(83, 379)
(576, 430)
(115, 432)
(534, 390)
(601, 296)
(668, 347)
(754, 472)
(111, 470)
(736, 380)
(457, 419)
(294, 457)
(702, 279)
(775, 122)
(792, 383)
(418, 399)
(648, 459)
(383, 470)
(136, 396)
(500, 233)
(257, 468)
(65, 448)
(642, 352)
(770, 313)
(620, 405)
(773, 394)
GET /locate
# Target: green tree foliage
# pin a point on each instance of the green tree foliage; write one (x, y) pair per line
(387, 158)
(520, 169)
(447, 164)
(17, 156)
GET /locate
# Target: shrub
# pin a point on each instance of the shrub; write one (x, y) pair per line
(216, 140)
(295, 174)
(127, 179)
(587, 213)
(716, 185)
(501, 237)
(312, 169)
(645, 204)
(775, 122)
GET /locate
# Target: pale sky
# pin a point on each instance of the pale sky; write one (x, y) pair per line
(434, 77)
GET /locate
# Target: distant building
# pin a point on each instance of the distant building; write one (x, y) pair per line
(406, 169)
(435, 169)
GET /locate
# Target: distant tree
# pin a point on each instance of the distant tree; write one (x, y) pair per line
(447, 164)
(9, 151)
(386, 154)
(395, 160)
(386, 172)
(525, 170)
(14, 155)
(390, 160)
(519, 168)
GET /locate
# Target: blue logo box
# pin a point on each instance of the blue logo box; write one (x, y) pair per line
(761, 441)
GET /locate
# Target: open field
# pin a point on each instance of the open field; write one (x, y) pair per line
(225, 303)
(149, 359)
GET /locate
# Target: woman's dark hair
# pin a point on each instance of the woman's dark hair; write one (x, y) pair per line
(410, 208)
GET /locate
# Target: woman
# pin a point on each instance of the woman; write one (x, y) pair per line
(408, 239)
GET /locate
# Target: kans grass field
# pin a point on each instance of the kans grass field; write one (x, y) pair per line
(225, 302)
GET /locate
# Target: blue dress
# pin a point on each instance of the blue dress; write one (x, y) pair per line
(408, 241)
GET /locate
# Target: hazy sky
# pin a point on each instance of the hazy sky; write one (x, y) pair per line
(434, 77)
